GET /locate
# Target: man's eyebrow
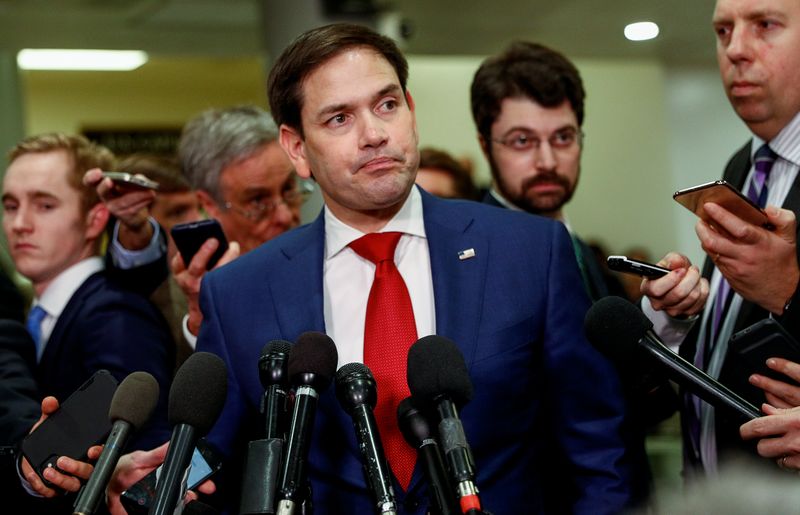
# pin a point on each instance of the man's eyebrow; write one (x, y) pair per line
(335, 108)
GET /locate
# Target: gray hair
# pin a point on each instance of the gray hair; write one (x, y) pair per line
(217, 138)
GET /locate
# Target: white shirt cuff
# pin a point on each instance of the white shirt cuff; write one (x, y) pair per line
(671, 330)
(125, 259)
(187, 334)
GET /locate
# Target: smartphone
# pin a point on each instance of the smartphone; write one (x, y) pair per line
(138, 180)
(722, 193)
(205, 461)
(189, 237)
(80, 422)
(636, 267)
(763, 340)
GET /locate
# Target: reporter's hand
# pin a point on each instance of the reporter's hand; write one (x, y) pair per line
(778, 393)
(190, 279)
(682, 292)
(68, 472)
(132, 467)
(778, 433)
(131, 206)
(759, 264)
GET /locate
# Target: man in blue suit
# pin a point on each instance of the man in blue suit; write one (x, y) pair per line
(87, 322)
(504, 286)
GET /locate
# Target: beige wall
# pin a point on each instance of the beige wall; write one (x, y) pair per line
(163, 93)
(640, 117)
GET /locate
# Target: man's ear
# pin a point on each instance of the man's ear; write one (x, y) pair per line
(294, 146)
(208, 204)
(96, 221)
(410, 101)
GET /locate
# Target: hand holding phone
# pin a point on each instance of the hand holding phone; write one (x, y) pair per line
(80, 422)
(722, 193)
(635, 267)
(189, 237)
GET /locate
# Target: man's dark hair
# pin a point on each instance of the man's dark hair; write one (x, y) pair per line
(434, 158)
(314, 48)
(524, 70)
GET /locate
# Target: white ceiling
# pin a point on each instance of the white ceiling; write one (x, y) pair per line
(579, 28)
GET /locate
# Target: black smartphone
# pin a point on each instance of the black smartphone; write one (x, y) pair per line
(129, 180)
(189, 237)
(636, 267)
(80, 422)
(722, 193)
(205, 461)
(763, 340)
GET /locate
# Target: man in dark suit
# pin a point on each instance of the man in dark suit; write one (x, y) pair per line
(504, 286)
(81, 320)
(751, 271)
(19, 412)
(528, 107)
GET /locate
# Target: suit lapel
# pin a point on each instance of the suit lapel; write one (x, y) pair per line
(458, 282)
(297, 287)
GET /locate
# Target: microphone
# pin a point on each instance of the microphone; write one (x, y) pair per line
(312, 364)
(438, 378)
(613, 319)
(417, 432)
(263, 461)
(131, 407)
(274, 376)
(358, 394)
(195, 400)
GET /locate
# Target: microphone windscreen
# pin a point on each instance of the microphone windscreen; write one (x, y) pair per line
(614, 326)
(275, 347)
(353, 368)
(314, 353)
(198, 392)
(135, 399)
(436, 367)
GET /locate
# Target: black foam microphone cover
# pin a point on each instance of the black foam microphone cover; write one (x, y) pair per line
(614, 326)
(313, 360)
(131, 407)
(135, 399)
(436, 368)
(198, 392)
(196, 399)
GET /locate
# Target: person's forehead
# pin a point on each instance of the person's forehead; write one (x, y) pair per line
(49, 169)
(342, 67)
(520, 109)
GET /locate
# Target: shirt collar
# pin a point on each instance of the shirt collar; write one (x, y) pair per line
(786, 144)
(55, 298)
(408, 220)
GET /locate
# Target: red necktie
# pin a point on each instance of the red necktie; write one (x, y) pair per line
(388, 334)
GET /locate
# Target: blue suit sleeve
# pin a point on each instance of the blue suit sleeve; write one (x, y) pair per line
(587, 396)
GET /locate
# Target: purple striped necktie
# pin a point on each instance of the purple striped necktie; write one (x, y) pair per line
(757, 192)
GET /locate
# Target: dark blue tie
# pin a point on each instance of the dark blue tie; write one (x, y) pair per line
(34, 326)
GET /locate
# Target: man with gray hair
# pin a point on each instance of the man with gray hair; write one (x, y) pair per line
(242, 176)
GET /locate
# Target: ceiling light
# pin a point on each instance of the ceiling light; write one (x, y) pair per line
(641, 31)
(108, 60)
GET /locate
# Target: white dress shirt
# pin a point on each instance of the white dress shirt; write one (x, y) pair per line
(347, 278)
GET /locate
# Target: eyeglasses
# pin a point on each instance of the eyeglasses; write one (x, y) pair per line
(293, 196)
(521, 141)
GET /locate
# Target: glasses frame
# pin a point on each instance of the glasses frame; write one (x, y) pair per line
(264, 210)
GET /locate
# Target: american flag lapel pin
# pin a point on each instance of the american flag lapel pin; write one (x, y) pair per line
(466, 254)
